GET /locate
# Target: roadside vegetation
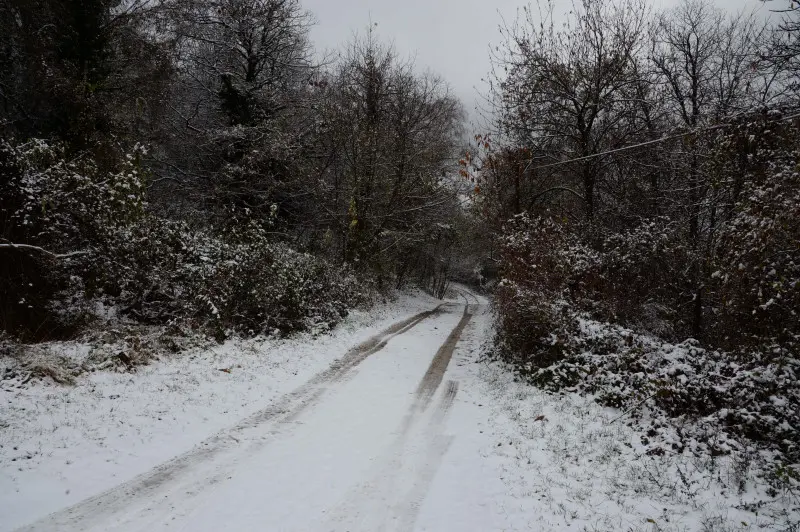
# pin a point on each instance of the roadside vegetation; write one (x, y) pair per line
(642, 179)
(197, 165)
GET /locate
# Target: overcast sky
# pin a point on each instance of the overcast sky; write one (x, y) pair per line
(449, 37)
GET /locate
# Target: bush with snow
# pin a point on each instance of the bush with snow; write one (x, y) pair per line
(568, 291)
(79, 233)
(684, 398)
(756, 274)
(63, 208)
(233, 281)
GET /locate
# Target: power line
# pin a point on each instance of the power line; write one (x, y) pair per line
(650, 142)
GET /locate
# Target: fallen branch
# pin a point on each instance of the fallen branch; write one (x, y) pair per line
(42, 250)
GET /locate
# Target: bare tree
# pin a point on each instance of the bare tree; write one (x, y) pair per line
(563, 94)
(782, 52)
(705, 58)
(243, 107)
(391, 138)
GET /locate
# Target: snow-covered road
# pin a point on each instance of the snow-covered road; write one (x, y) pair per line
(388, 422)
(371, 443)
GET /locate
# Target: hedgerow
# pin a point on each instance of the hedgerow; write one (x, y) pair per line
(82, 234)
(696, 339)
(683, 397)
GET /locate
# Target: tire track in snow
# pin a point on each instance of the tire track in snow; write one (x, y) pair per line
(434, 374)
(430, 458)
(433, 377)
(436, 443)
(208, 463)
(449, 397)
(391, 497)
(424, 460)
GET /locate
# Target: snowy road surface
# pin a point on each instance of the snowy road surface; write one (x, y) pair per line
(386, 423)
(371, 443)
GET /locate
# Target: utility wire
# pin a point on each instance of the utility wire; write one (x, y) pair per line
(651, 142)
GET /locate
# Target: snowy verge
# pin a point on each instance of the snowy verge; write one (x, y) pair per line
(572, 464)
(62, 443)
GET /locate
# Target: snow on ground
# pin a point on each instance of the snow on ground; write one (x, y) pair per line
(364, 452)
(552, 463)
(60, 444)
(570, 464)
(352, 449)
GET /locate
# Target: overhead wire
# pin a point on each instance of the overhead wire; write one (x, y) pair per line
(654, 141)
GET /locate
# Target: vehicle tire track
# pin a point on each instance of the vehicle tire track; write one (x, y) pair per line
(448, 398)
(374, 505)
(429, 458)
(437, 443)
(208, 456)
(382, 485)
(433, 377)
(408, 511)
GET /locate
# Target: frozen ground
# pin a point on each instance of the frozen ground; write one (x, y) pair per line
(374, 427)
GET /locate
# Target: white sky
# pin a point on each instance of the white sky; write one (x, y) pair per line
(449, 37)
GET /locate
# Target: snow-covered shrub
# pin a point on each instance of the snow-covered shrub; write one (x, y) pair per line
(82, 233)
(736, 393)
(245, 283)
(639, 277)
(237, 280)
(685, 398)
(756, 277)
(57, 212)
(645, 277)
(542, 264)
(531, 332)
